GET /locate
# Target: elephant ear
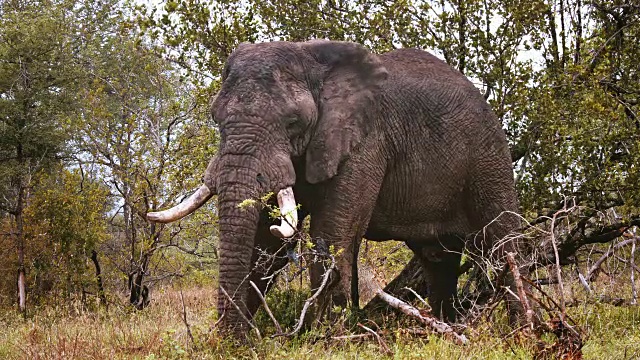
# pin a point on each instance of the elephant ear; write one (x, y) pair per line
(349, 86)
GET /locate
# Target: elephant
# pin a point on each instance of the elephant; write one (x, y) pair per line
(393, 146)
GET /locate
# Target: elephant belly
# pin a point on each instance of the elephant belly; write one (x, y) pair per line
(419, 213)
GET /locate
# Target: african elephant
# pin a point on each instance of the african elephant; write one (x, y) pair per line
(393, 146)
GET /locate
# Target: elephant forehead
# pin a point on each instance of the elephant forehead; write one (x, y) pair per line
(265, 59)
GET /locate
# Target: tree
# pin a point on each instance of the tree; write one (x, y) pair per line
(37, 79)
(148, 134)
(66, 221)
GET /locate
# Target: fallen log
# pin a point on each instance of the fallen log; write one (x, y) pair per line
(434, 324)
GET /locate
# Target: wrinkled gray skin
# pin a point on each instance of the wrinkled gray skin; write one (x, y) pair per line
(394, 146)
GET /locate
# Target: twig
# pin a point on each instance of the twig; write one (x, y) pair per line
(583, 281)
(215, 325)
(309, 301)
(524, 300)
(184, 319)
(352, 337)
(634, 294)
(436, 325)
(266, 307)
(554, 304)
(557, 258)
(418, 296)
(224, 292)
(383, 346)
(596, 266)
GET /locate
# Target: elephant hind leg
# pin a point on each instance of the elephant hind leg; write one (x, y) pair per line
(441, 266)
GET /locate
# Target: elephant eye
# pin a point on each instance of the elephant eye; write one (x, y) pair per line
(289, 122)
(225, 72)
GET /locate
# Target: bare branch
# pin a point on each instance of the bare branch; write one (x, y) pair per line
(184, 320)
(266, 307)
(436, 325)
(383, 346)
(522, 296)
(309, 301)
(224, 292)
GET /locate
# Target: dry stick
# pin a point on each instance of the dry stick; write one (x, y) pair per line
(383, 346)
(352, 337)
(215, 325)
(558, 268)
(309, 301)
(240, 312)
(184, 319)
(548, 297)
(438, 326)
(626, 261)
(634, 299)
(266, 307)
(596, 266)
(418, 296)
(583, 281)
(522, 296)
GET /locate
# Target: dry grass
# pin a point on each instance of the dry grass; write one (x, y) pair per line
(118, 334)
(159, 333)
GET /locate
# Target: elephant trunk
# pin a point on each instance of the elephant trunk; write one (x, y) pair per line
(237, 232)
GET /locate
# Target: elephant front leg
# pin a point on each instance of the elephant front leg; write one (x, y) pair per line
(332, 274)
(339, 224)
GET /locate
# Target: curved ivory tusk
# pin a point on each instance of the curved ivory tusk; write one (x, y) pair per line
(289, 214)
(184, 208)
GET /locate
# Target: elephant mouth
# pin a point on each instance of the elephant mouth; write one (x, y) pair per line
(286, 204)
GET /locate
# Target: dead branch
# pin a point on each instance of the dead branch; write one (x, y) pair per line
(410, 277)
(522, 296)
(383, 346)
(417, 296)
(436, 325)
(595, 268)
(215, 325)
(184, 320)
(266, 307)
(352, 337)
(554, 303)
(572, 242)
(583, 281)
(632, 260)
(312, 299)
(224, 292)
(557, 258)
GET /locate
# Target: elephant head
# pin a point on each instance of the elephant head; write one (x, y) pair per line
(279, 102)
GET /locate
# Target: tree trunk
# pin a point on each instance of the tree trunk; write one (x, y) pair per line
(22, 292)
(102, 298)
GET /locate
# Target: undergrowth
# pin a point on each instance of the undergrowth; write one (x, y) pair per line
(160, 333)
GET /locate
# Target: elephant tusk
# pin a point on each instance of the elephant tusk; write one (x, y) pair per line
(289, 214)
(184, 208)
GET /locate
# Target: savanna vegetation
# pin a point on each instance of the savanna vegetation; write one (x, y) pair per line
(104, 117)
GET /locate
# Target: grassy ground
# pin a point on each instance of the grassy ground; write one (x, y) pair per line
(160, 333)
